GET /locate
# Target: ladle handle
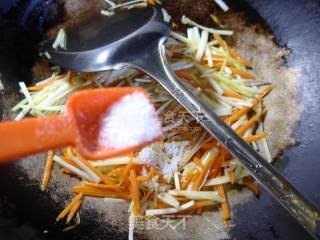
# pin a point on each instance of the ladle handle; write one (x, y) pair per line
(155, 64)
(34, 135)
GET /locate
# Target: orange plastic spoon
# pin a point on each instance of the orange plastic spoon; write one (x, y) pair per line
(79, 127)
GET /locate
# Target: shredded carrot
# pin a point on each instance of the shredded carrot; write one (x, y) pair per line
(215, 170)
(199, 204)
(153, 172)
(232, 94)
(197, 161)
(67, 157)
(184, 184)
(182, 74)
(203, 203)
(43, 85)
(104, 186)
(73, 210)
(225, 204)
(47, 171)
(161, 204)
(96, 192)
(69, 207)
(242, 73)
(67, 171)
(71, 77)
(204, 173)
(66, 153)
(135, 193)
(262, 95)
(152, 2)
(218, 64)
(221, 42)
(117, 172)
(249, 183)
(144, 178)
(103, 177)
(187, 77)
(124, 177)
(248, 124)
(209, 145)
(238, 114)
(181, 198)
(257, 137)
(242, 60)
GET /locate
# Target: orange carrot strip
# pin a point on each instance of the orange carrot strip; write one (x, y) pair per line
(188, 178)
(95, 192)
(67, 171)
(244, 127)
(43, 85)
(209, 145)
(69, 207)
(221, 42)
(103, 186)
(182, 199)
(217, 163)
(238, 114)
(218, 64)
(71, 77)
(197, 161)
(152, 2)
(183, 75)
(242, 60)
(262, 95)
(257, 137)
(73, 210)
(232, 94)
(204, 173)
(161, 204)
(124, 177)
(249, 183)
(47, 171)
(225, 204)
(135, 193)
(198, 204)
(144, 178)
(103, 177)
(203, 203)
(235, 116)
(67, 156)
(66, 153)
(242, 73)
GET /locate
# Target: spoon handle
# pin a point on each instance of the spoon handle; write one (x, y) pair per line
(34, 135)
(155, 64)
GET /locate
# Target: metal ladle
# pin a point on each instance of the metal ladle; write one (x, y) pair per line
(135, 39)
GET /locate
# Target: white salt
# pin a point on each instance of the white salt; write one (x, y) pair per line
(129, 122)
(167, 157)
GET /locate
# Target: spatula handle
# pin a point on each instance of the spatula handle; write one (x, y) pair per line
(34, 135)
(308, 215)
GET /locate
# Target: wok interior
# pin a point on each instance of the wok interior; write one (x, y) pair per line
(11, 96)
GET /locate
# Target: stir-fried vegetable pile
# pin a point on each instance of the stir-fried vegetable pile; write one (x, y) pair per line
(188, 170)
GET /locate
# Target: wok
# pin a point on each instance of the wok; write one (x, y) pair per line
(28, 213)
